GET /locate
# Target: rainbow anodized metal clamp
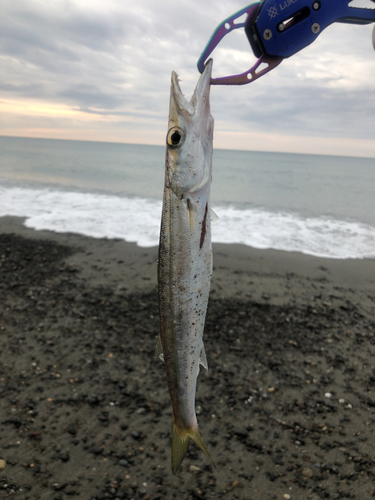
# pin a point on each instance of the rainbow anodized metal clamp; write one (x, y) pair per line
(277, 29)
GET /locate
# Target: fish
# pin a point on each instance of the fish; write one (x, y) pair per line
(185, 256)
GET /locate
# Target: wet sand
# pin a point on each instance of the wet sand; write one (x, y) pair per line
(287, 408)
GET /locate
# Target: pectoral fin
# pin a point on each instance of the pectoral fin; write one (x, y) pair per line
(159, 349)
(214, 217)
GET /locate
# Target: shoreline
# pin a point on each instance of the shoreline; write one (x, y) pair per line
(287, 408)
(239, 270)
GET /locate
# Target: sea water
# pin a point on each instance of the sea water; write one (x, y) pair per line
(318, 205)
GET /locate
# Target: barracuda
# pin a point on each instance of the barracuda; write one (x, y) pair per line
(185, 256)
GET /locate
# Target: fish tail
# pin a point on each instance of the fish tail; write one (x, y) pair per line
(180, 441)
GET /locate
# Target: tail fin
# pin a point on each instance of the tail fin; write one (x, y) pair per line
(180, 441)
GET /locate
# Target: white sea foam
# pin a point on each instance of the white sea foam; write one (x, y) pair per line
(319, 236)
(96, 215)
(138, 220)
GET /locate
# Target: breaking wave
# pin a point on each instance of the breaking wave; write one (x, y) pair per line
(138, 220)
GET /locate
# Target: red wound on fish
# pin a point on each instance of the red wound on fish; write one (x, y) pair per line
(204, 227)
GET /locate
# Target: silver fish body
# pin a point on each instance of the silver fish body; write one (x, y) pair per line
(185, 255)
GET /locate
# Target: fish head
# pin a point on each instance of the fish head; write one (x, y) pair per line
(189, 138)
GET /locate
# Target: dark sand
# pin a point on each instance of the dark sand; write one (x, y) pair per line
(287, 408)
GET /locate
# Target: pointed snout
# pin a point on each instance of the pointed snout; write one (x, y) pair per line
(204, 82)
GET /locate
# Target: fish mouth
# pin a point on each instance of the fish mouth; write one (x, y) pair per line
(201, 92)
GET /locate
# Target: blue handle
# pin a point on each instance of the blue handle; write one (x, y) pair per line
(283, 27)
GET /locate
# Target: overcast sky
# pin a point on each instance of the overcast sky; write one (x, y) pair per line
(100, 70)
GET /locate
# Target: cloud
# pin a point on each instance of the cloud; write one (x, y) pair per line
(113, 60)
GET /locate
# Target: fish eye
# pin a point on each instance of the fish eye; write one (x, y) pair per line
(175, 137)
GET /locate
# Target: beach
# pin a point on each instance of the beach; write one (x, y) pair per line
(287, 408)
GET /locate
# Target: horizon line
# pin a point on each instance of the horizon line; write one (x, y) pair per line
(162, 145)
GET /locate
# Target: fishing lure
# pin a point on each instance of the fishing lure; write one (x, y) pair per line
(277, 29)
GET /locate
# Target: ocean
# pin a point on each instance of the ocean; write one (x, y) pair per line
(314, 204)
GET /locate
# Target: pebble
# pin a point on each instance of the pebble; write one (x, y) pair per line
(96, 450)
(286, 496)
(3, 464)
(72, 429)
(327, 395)
(307, 472)
(64, 457)
(194, 468)
(123, 463)
(58, 486)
